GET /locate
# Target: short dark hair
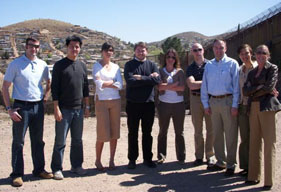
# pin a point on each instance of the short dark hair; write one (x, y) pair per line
(73, 38)
(140, 44)
(106, 46)
(244, 46)
(216, 40)
(33, 39)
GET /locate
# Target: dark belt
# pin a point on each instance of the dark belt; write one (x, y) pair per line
(195, 93)
(27, 102)
(221, 96)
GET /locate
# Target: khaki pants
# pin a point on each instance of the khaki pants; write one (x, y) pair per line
(262, 126)
(197, 115)
(225, 131)
(108, 119)
(244, 127)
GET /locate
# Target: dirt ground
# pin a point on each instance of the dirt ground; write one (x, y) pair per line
(170, 176)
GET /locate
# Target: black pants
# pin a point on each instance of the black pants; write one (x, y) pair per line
(135, 113)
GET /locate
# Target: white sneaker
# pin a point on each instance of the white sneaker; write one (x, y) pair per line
(78, 171)
(58, 175)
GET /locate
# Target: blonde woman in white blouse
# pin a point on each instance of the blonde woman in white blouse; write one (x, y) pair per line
(108, 80)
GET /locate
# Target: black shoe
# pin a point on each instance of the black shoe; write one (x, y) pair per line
(267, 188)
(229, 172)
(149, 163)
(243, 173)
(214, 168)
(198, 162)
(131, 165)
(255, 182)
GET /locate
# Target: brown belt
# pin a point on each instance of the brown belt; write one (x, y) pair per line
(221, 96)
(195, 93)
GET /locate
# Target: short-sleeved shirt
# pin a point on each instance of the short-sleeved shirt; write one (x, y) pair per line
(196, 71)
(27, 77)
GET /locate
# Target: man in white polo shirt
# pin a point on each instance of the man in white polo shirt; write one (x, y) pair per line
(26, 73)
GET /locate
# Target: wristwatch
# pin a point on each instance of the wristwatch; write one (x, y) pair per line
(8, 108)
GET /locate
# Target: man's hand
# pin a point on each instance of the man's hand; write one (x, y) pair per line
(208, 111)
(15, 116)
(138, 77)
(234, 111)
(87, 113)
(57, 114)
(154, 74)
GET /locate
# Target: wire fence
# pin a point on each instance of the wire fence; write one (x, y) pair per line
(267, 14)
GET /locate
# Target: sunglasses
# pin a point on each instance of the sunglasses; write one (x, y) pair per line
(261, 53)
(170, 57)
(33, 46)
(197, 50)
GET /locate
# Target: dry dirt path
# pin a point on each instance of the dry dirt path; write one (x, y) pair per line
(168, 177)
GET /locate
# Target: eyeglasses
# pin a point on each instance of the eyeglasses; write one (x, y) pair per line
(170, 57)
(197, 50)
(261, 53)
(33, 46)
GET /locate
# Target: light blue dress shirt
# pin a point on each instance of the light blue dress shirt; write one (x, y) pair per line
(220, 78)
(27, 77)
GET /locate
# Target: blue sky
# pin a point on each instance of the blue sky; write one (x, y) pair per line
(144, 20)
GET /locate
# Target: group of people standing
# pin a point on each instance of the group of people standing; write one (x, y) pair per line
(232, 97)
(225, 95)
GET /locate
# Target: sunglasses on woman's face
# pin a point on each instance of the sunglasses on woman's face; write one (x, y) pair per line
(261, 53)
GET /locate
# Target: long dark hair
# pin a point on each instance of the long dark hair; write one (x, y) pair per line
(177, 60)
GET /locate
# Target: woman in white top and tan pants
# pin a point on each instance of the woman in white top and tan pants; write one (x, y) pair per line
(108, 80)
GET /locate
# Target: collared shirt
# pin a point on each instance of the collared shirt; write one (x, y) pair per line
(105, 75)
(243, 74)
(196, 71)
(27, 77)
(220, 78)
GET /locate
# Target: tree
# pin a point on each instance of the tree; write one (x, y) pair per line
(173, 42)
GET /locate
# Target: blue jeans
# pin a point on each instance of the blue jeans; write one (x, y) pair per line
(33, 117)
(71, 119)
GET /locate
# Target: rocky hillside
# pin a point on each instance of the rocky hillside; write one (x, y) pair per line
(52, 34)
(187, 38)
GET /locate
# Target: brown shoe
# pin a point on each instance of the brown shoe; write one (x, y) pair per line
(45, 175)
(17, 182)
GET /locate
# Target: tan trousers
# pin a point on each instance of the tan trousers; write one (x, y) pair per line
(244, 128)
(262, 126)
(225, 131)
(108, 119)
(197, 115)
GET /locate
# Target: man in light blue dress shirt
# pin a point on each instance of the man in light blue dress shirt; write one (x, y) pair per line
(220, 95)
(26, 73)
